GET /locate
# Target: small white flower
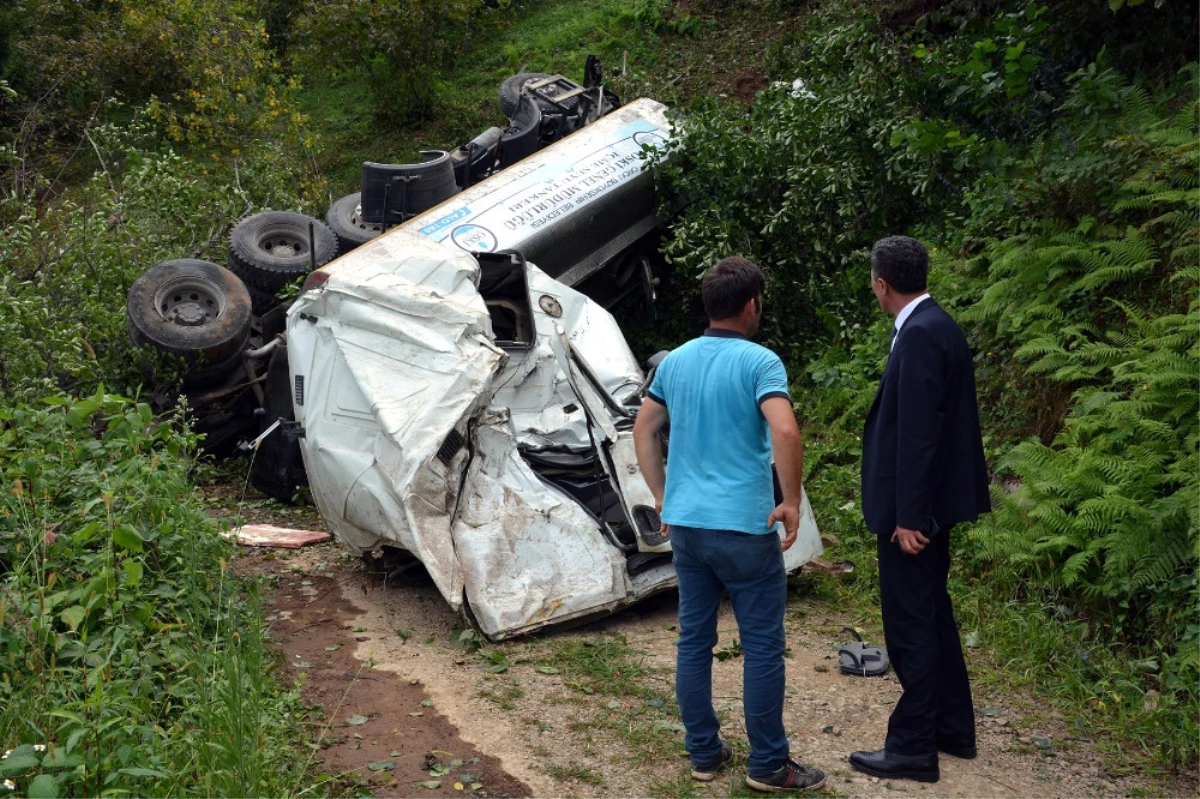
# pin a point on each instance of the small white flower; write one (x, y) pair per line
(12, 786)
(7, 752)
(39, 747)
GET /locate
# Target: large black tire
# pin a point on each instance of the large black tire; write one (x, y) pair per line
(211, 375)
(345, 220)
(261, 301)
(510, 95)
(269, 249)
(194, 309)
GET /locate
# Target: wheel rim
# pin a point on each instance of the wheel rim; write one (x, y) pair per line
(189, 301)
(282, 243)
(356, 220)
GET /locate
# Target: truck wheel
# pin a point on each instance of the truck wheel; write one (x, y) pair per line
(195, 309)
(344, 218)
(261, 301)
(269, 249)
(510, 95)
(207, 376)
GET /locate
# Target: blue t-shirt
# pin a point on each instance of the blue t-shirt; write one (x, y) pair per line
(719, 456)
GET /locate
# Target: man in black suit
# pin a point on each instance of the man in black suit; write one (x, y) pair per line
(923, 472)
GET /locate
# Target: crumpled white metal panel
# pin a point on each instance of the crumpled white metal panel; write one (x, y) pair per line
(403, 256)
(530, 554)
(592, 331)
(396, 352)
(374, 345)
(534, 387)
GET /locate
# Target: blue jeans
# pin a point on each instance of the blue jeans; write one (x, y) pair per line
(751, 567)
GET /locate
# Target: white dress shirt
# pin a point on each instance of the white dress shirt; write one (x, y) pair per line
(902, 317)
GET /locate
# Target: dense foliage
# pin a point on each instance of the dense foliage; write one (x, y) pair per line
(202, 68)
(129, 660)
(1046, 152)
(1107, 512)
(62, 294)
(401, 48)
(1059, 195)
(799, 182)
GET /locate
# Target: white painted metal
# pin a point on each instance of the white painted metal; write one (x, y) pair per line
(393, 359)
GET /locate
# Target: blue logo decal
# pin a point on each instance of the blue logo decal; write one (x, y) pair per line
(474, 238)
(434, 227)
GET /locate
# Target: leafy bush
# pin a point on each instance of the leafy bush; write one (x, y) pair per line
(205, 67)
(1063, 214)
(123, 637)
(67, 272)
(661, 17)
(1107, 514)
(400, 47)
(803, 182)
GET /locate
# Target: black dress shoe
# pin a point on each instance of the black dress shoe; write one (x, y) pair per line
(884, 764)
(963, 750)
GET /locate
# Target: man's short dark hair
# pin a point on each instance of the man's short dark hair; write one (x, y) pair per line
(902, 261)
(729, 285)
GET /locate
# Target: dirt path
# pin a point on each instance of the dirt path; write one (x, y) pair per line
(538, 732)
(379, 729)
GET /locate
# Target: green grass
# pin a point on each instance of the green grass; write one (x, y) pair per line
(671, 63)
(128, 651)
(544, 36)
(614, 694)
(504, 695)
(575, 772)
(605, 665)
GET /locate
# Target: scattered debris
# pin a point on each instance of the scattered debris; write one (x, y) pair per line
(268, 535)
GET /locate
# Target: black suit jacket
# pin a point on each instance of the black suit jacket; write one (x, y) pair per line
(923, 465)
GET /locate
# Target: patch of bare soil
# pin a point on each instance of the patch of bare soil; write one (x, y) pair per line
(748, 84)
(537, 734)
(380, 730)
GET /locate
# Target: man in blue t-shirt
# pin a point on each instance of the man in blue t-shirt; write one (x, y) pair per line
(726, 400)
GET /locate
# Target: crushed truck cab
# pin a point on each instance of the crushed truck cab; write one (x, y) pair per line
(472, 408)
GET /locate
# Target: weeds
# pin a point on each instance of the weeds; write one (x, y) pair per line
(604, 665)
(126, 650)
(575, 772)
(505, 696)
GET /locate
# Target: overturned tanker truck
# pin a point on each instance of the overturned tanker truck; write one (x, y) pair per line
(449, 383)
(471, 408)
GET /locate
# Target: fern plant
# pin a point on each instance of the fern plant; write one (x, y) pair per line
(1107, 512)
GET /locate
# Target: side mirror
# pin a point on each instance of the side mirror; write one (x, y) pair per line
(651, 366)
(654, 360)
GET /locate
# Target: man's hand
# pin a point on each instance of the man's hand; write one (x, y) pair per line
(663, 528)
(911, 541)
(790, 516)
